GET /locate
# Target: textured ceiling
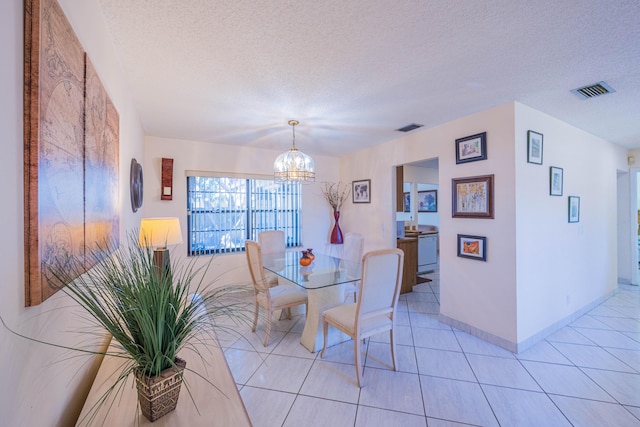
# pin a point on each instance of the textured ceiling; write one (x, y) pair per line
(235, 71)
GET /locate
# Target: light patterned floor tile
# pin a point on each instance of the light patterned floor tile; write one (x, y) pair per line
(524, 408)
(589, 356)
(401, 391)
(543, 352)
(583, 412)
(435, 338)
(283, 384)
(368, 417)
(443, 363)
(290, 346)
(501, 372)
(313, 412)
(330, 380)
(624, 387)
(281, 373)
(458, 401)
(566, 380)
(379, 356)
(266, 408)
(243, 364)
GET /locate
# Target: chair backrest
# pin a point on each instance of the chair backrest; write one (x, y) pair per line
(353, 247)
(254, 260)
(380, 284)
(272, 241)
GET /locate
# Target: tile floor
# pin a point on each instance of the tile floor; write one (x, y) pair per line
(586, 374)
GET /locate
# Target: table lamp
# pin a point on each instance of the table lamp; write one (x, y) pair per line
(159, 233)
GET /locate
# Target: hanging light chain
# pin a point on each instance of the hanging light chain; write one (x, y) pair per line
(293, 124)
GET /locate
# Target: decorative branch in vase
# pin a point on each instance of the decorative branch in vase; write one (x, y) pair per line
(335, 193)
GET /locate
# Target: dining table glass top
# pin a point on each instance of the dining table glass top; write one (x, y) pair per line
(324, 270)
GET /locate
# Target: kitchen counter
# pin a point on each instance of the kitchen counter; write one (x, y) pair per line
(417, 233)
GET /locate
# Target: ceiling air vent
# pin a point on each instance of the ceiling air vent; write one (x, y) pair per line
(409, 128)
(591, 91)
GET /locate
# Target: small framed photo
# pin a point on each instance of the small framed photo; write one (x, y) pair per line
(555, 181)
(428, 201)
(474, 247)
(574, 209)
(534, 147)
(407, 202)
(471, 148)
(361, 191)
(472, 197)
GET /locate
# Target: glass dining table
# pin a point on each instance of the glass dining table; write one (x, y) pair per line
(325, 280)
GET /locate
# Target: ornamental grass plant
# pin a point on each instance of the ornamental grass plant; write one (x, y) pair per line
(151, 314)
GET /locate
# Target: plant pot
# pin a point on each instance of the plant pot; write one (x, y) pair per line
(158, 395)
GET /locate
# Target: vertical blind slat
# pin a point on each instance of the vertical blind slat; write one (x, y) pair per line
(223, 212)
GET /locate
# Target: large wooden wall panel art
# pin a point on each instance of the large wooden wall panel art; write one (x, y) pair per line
(70, 150)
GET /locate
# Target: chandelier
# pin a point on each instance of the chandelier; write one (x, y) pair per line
(294, 165)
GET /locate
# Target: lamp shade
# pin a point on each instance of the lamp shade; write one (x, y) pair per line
(294, 165)
(159, 232)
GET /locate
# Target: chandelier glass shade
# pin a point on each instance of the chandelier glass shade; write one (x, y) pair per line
(294, 165)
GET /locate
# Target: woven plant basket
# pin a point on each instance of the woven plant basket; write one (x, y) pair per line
(159, 395)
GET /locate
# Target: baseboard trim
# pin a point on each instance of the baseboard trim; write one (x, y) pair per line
(531, 341)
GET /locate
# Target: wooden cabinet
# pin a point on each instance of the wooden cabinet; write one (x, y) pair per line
(410, 249)
(399, 188)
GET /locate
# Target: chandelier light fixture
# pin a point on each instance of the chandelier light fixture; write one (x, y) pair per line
(294, 165)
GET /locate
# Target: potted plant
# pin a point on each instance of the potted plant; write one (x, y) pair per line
(335, 193)
(151, 314)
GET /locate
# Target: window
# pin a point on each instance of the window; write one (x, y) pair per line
(223, 212)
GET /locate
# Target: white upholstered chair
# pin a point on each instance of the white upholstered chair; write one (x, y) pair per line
(272, 242)
(353, 248)
(271, 298)
(374, 312)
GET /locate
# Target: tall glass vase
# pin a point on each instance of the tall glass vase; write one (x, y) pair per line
(336, 233)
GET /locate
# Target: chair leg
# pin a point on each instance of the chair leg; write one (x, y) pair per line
(268, 332)
(289, 313)
(393, 348)
(255, 318)
(325, 329)
(358, 356)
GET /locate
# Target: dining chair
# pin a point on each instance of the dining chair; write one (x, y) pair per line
(374, 312)
(272, 242)
(353, 248)
(271, 298)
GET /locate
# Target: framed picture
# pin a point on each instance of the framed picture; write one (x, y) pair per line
(534, 147)
(474, 247)
(428, 201)
(555, 181)
(71, 153)
(574, 209)
(407, 202)
(471, 148)
(472, 197)
(361, 191)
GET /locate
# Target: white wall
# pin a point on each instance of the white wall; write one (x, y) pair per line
(317, 217)
(481, 294)
(40, 384)
(527, 280)
(563, 267)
